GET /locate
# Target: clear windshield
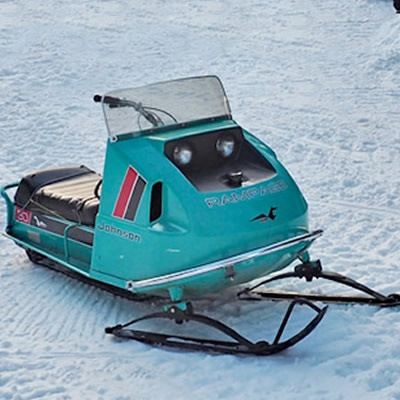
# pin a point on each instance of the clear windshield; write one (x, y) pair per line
(164, 104)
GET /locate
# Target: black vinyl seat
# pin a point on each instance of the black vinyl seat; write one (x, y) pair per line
(67, 192)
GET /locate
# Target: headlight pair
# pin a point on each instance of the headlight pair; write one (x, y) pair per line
(225, 146)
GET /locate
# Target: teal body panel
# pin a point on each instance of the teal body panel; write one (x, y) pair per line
(195, 228)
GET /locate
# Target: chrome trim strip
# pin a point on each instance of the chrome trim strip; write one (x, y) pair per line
(203, 269)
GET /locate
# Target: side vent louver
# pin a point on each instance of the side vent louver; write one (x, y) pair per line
(156, 202)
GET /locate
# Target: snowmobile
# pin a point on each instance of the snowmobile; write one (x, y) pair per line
(189, 203)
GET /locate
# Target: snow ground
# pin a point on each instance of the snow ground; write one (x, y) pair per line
(317, 80)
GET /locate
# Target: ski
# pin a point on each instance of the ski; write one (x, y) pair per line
(237, 344)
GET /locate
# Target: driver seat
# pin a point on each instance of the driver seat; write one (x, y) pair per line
(66, 192)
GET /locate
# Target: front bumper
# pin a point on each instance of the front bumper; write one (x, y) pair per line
(181, 278)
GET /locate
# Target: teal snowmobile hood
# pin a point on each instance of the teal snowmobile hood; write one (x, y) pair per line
(178, 225)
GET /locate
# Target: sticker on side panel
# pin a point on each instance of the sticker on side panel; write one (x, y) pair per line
(22, 215)
(134, 237)
(130, 195)
(246, 194)
(264, 218)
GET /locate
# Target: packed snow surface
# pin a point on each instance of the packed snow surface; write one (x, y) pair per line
(317, 80)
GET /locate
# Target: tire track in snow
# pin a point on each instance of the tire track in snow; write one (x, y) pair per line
(64, 322)
(72, 307)
(387, 212)
(23, 302)
(94, 319)
(372, 155)
(35, 315)
(56, 355)
(357, 156)
(77, 310)
(89, 300)
(46, 301)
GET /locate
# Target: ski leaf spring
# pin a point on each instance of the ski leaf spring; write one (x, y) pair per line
(313, 269)
(237, 343)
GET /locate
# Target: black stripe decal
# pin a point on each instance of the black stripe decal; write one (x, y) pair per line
(57, 227)
(134, 201)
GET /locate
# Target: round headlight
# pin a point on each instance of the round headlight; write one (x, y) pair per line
(182, 154)
(225, 146)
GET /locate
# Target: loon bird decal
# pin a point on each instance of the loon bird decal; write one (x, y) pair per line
(265, 218)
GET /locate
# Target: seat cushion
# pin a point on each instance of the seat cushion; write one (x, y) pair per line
(66, 192)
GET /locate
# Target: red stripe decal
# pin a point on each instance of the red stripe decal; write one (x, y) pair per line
(125, 192)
